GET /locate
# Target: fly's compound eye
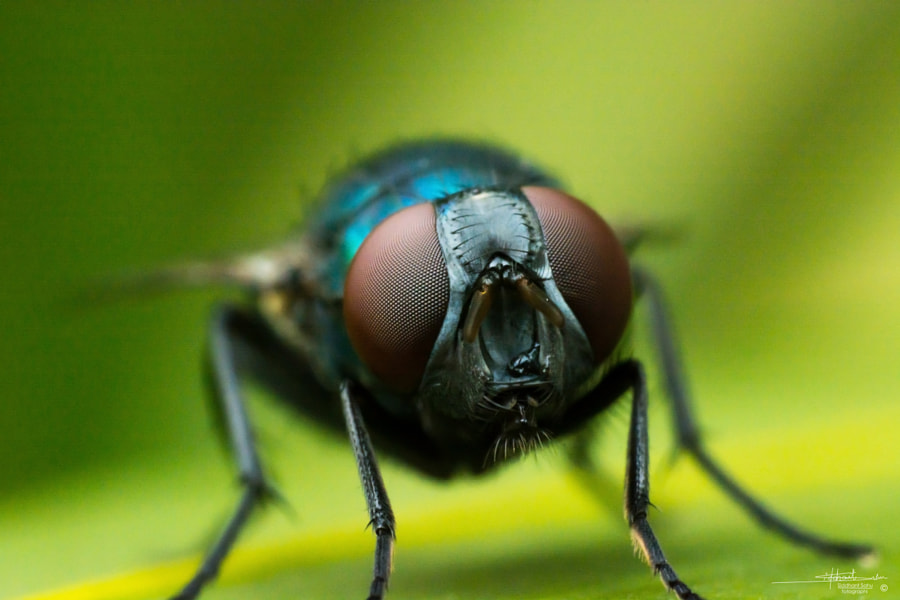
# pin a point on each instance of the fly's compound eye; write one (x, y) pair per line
(396, 295)
(589, 266)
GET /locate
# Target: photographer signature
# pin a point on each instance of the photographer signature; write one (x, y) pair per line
(845, 579)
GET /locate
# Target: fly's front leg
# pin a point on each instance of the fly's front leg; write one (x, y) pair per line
(618, 380)
(637, 484)
(225, 330)
(689, 436)
(381, 517)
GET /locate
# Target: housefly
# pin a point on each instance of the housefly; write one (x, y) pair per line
(452, 308)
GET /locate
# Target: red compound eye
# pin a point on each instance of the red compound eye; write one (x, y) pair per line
(395, 297)
(589, 265)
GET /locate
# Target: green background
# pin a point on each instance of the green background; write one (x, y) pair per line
(139, 134)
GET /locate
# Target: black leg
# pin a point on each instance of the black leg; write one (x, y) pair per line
(224, 334)
(637, 485)
(689, 435)
(622, 377)
(381, 517)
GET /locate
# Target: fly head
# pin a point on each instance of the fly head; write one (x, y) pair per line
(487, 311)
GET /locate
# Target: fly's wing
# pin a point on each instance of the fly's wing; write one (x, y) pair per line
(253, 272)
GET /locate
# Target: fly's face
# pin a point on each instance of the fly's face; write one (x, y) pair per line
(487, 310)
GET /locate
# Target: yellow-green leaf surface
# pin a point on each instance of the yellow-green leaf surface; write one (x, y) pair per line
(139, 134)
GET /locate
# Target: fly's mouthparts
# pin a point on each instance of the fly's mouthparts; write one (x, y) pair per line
(516, 441)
